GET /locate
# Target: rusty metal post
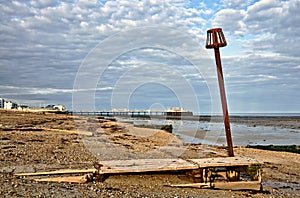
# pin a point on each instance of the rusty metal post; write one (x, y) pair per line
(216, 39)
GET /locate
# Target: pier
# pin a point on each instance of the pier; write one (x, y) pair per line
(127, 112)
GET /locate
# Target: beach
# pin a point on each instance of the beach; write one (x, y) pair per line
(33, 142)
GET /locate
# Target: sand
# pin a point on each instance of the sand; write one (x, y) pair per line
(42, 142)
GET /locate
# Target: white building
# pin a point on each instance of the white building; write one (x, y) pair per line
(59, 107)
(22, 108)
(10, 105)
(178, 111)
(2, 103)
(6, 104)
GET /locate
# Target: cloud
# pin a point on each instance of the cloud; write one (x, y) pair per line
(278, 33)
(260, 16)
(47, 91)
(44, 42)
(230, 20)
(261, 81)
(235, 3)
(262, 31)
(43, 3)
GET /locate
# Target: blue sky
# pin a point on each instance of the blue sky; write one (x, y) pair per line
(45, 44)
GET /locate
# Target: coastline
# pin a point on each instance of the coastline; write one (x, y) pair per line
(289, 121)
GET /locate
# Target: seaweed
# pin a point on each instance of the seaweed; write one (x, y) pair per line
(286, 148)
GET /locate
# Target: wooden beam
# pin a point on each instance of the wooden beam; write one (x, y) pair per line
(145, 165)
(224, 161)
(58, 172)
(191, 185)
(75, 179)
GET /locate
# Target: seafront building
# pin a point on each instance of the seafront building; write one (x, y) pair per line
(178, 111)
(10, 105)
(1, 103)
(57, 107)
(7, 104)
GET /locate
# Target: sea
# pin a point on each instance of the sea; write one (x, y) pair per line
(213, 133)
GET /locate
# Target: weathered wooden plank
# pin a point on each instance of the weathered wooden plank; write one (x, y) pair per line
(58, 172)
(75, 179)
(154, 165)
(146, 165)
(191, 185)
(224, 161)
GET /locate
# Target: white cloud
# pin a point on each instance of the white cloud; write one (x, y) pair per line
(266, 26)
(43, 3)
(230, 20)
(43, 42)
(274, 24)
(236, 3)
(260, 16)
(14, 90)
(263, 5)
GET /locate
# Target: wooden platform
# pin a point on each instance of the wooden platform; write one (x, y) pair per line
(156, 165)
(207, 171)
(219, 173)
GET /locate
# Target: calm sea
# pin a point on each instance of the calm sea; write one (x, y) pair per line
(262, 114)
(268, 114)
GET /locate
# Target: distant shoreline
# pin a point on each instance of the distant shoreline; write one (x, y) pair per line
(289, 121)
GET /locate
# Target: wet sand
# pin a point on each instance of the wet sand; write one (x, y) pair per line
(247, 130)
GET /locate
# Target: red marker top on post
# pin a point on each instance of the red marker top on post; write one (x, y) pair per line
(215, 38)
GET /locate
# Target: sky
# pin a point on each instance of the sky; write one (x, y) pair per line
(150, 54)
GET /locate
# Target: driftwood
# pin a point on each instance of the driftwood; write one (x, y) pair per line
(191, 185)
(58, 172)
(75, 179)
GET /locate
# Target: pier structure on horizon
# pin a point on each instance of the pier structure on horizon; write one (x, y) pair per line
(126, 112)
